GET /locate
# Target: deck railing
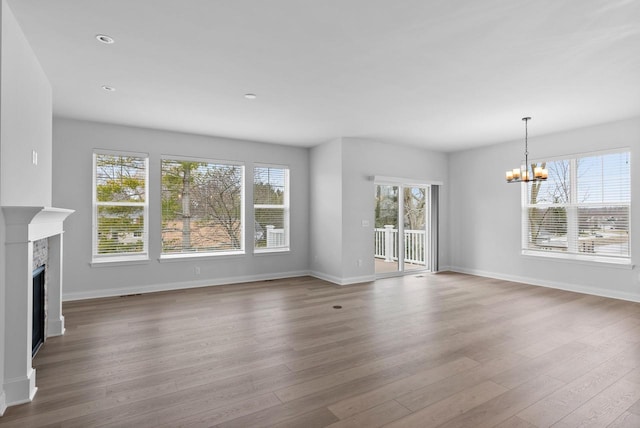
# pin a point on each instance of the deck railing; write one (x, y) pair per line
(275, 237)
(386, 245)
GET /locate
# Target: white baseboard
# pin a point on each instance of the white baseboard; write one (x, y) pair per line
(55, 327)
(342, 281)
(3, 402)
(114, 292)
(325, 277)
(20, 390)
(602, 292)
(358, 279)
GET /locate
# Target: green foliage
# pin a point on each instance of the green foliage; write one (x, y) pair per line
(386, 206)
(200, 197)
(113, 245)
(120, 181)
(120, 230)
(267, 194)
(120, 178)
(269, 185)
(173, 183)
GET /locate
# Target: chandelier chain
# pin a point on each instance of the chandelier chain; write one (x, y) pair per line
(523, 174)
(526, 141)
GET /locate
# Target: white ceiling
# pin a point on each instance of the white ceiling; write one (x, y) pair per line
(441, 74)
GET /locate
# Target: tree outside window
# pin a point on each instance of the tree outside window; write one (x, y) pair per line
(271, 208)
(120, 206)
(582, 209)
(202, 207)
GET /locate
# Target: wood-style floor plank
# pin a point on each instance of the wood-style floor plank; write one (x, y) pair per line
(500, 408)
(604, 408)
(360, 403)
(564, 401)
(515, 422)
(432, 393)
(445, 410)
(446, 350)
(375, 417)
(626, 420)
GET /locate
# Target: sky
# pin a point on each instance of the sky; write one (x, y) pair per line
(601, 179)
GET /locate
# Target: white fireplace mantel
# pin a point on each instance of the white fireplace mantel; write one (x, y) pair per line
(41, 222)
(24, 225)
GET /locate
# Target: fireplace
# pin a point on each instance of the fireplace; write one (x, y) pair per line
(37, 330)
(24, 228)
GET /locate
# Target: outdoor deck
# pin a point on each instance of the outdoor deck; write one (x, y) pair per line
(386, 250)
(386, 267)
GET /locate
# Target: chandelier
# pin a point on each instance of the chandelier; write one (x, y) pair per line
(523, 174)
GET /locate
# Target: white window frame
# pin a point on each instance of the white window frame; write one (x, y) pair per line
(285, 207)
(119, 257)
(572, 254)
(201, 254)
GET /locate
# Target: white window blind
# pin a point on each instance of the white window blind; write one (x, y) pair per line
(120, 207)
(271, 208)
(583, 209)
(202, 207)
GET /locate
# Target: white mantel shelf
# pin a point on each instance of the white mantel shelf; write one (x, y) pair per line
(23, 226)
(42, 222)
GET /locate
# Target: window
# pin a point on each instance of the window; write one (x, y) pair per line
(202, 207)
(582, 211)
(271, 208)
(120, 207)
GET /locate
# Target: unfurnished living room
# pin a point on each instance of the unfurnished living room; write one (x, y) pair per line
(328, 213)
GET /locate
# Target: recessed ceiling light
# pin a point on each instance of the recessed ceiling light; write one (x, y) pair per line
(104, 39)
(108, 88)
(250, 96)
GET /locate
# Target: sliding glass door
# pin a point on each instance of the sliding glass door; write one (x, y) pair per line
(401, 233)
(415, 228)
(386, 230)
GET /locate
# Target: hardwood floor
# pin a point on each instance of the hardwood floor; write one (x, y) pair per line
(446, 350)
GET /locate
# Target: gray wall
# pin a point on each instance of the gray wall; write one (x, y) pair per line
(332, 192)
(25, 125)
(74, 142)
(325, 222)
(485, 213)
(342, 195)
(3, 404)
(363, 159)
(26, 121)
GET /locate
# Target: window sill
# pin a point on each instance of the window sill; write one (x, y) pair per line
(119, 261)
(264, 251)
(610, 262)
(169, 258)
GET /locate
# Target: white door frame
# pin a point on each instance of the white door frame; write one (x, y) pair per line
(403, 184)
